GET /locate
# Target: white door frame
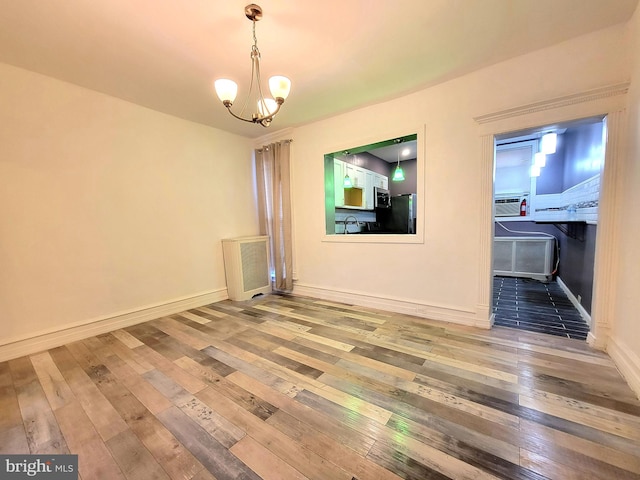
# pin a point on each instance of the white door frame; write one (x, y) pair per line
(609, 101)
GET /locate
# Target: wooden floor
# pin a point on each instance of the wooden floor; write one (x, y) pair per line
(293, 388)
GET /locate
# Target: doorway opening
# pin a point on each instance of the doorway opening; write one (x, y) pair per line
(546, 201)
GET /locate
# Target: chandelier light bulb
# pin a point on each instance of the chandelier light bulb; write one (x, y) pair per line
(270, 104)
(226, 89)
(279, 86)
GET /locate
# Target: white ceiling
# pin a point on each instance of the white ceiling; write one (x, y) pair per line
(394, 153)
(339, 54)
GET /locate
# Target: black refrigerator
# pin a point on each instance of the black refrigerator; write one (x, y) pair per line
(401, 217)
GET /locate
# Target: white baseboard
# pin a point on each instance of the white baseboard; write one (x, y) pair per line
(583, 313)
(433, 312)
(14, 348)
(627, 361)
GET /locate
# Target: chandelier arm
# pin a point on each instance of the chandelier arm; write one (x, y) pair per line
(259, 81)
(264, 121)
(255, 65)
(269, 117)
(260, 96)
(252, 120)
(255, 58)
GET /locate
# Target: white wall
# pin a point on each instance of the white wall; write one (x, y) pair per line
(107, 208)
(624, 345)
(438, 278)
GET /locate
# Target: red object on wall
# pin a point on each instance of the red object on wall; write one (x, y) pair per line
(523, 208)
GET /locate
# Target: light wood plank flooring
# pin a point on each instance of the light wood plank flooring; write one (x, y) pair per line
(287, 387)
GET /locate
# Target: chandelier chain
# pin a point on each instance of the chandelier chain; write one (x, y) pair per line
(255, 39)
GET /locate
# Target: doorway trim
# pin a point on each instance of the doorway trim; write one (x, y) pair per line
(609, 101)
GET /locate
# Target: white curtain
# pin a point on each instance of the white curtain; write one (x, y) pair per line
(274, 208)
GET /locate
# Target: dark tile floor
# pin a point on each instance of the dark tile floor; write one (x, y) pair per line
(537, 307)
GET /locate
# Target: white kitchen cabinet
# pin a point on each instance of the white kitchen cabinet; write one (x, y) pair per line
(368, 190)
(361, 177)
(381, 181)
(362, 194)
(338, 181)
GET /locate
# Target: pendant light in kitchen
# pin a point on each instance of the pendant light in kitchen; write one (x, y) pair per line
(549, 142)
(346, 183)
(398, 174)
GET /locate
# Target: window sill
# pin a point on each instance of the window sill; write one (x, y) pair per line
(374, 238)
(527, 218)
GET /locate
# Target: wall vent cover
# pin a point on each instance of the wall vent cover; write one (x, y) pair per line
(246, 265)
(526, 257)
(255, 265)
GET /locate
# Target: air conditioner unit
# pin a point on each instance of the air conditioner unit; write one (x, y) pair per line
(528, 257)
(508, 205)
(246, 265)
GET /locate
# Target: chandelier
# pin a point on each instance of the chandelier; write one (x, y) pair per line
(279, 86)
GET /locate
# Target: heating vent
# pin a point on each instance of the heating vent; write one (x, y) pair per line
(246, 265)
(528, 257)
(508, 206)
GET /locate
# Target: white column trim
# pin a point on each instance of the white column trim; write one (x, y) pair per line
(484, 308)
(606, 255)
